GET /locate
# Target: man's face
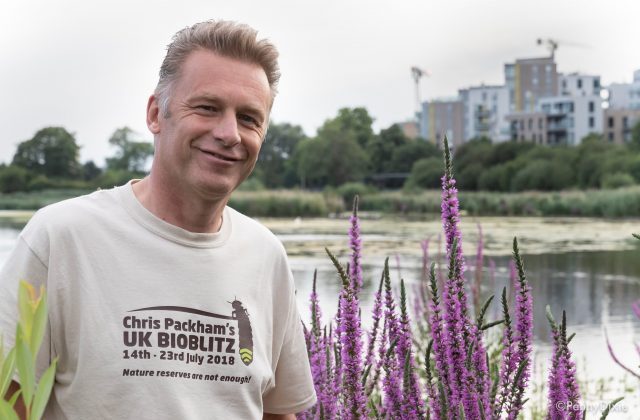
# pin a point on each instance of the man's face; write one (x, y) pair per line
(209, 141)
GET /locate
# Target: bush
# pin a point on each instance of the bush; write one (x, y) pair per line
(115, 177)
(13, 178)
(617, 180)
(281, 204)
(350, 189)
(39, 183)
(425, 173)
(543, 175)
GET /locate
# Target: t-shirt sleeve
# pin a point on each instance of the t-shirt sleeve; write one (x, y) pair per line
(293, 391)
(22, 264)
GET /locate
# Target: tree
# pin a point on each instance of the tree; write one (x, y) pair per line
(90, 171)
(130, 155)
(392, 151)
(335, 155)
(381, 147)
(52, 152)
(426, 173)
(277, 148)
(356, 121)
(13, 178)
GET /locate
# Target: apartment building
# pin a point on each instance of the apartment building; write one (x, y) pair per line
(618, 123)
(625, 95)
(623, 110)
(443, 117)
(528, 80)
(484, 110)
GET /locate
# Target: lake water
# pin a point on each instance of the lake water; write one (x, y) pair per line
(595, 285)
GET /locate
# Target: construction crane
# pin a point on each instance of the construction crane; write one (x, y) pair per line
(552, 44)
(417, 74)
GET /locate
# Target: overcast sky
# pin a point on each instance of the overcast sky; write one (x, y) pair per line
(90, 66)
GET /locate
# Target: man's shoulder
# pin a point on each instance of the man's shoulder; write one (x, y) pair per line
(76, 211)
(245, 227)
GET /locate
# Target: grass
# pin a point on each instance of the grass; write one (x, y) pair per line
(615, 203)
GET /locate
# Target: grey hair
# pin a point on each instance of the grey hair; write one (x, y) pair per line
(226, 38)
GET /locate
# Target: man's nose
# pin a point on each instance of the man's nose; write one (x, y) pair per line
(226, 129)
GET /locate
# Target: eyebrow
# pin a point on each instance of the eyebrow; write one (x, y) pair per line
(251, 109)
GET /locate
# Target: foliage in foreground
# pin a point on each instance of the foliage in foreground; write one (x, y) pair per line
(22, 358)
(460, 379)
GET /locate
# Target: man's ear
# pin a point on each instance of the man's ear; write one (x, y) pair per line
(153, 114)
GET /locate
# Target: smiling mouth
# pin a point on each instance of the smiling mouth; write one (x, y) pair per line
(221, 157)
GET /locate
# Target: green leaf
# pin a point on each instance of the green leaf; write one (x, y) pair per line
(492, 324)
(6, 411)
(635, 235)
(341, 271)
(26, 371)
(605, 413)
(44, 391)
(483, 311)
(24, 308)
(550, 317)
(6, 371)
(15, 397)
(39, 325)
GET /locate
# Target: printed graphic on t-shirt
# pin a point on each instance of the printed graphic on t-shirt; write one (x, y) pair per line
(188, 343)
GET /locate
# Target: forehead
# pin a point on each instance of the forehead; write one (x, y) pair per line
(205, 73)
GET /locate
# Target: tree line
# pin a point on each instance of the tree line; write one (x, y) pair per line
(50, 159)
(346, 153)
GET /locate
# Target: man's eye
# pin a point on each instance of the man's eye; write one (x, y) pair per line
(248, 119)
(206, 108)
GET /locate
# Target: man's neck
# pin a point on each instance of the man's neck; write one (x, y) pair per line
(187, 212)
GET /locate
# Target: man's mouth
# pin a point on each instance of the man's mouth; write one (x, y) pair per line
(219, 156)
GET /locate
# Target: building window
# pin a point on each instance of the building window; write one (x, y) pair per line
(592, 106)
(539, 123)
(530, 125)
(610, 136)
(625, 122)
(521, 125)
(610, 122)
(596, 84)
(591, 122)
(579, 83)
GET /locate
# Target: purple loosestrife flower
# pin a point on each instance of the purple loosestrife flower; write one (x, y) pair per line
(508, 362)
(524, 333)
(377, 315)
(382, 350)
(564, 394)
(475, 286)
(393, 399)
(454, 325)
(318, 359)
(557, 394)
(570, 381)
(454, 298)
(354, 400)
(635, 307)
(392, 366)
(438, 402)
(615, 358)
(413, 405)
(355, 244)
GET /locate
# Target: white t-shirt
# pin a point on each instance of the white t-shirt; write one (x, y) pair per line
(150, 321)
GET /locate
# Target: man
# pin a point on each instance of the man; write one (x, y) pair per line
(163, 302)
